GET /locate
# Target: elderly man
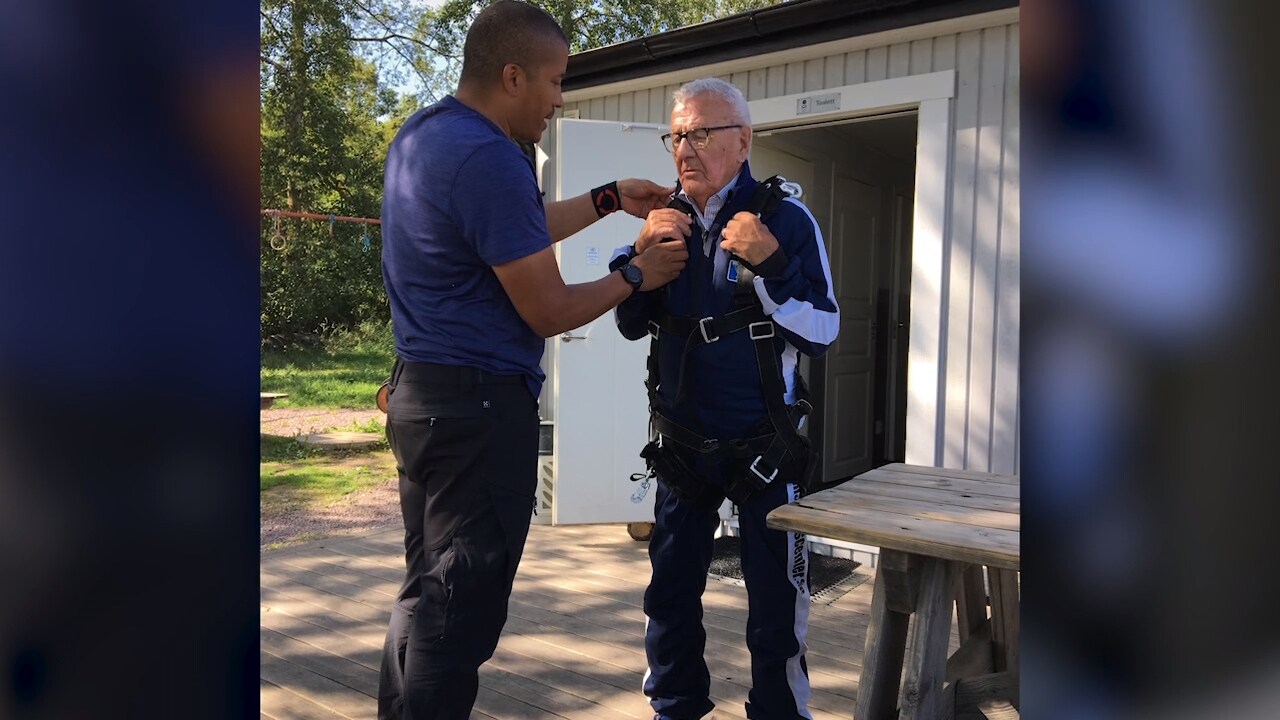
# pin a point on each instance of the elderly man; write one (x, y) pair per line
(726, 402)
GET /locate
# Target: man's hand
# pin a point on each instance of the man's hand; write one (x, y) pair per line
(748, 238)
(661, 263)
(639, 197)
(663, 224)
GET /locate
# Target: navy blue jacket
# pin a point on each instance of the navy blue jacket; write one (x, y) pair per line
(795, 289)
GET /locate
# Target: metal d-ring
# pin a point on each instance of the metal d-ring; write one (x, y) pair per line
(278, 240)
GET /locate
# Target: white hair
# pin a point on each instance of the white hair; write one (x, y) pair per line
(718, 88)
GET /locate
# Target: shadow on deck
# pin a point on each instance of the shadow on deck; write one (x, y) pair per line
(572, 647)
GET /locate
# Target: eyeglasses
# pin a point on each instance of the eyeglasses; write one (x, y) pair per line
(698, 136)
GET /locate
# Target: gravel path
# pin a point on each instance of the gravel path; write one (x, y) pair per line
(301, 421)
(361, 511)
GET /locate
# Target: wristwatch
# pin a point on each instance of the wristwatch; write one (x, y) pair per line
(633, 276)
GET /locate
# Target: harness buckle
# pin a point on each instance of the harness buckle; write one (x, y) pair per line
(710, 445)
(755, 471)
(654, 328)
(764, 333)
(705, 329)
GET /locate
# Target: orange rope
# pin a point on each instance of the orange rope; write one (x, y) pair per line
(318, 216)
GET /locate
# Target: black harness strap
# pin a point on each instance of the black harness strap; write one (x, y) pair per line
(671, 430)
(769, 194)
(786, 440)
(770, 450)
(709, 329)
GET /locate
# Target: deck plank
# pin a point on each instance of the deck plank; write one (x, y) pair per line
(339, 699)
(278, 703)
(573, 647)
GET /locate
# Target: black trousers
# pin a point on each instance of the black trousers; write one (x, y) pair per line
(466, 447)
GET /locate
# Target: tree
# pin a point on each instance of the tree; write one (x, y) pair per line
(338, 78)
(590, 23)
(425, 46)
(322, 151)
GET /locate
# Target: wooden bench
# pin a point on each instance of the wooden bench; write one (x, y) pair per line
(267, 398)
(341, 440)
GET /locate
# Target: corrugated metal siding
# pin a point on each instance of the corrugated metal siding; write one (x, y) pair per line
(978, 371)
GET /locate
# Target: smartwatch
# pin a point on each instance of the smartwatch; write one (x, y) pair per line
(633, 276)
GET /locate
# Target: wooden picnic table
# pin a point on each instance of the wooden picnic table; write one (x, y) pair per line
(938, 529)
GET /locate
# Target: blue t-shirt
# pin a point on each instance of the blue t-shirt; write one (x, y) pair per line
(459, 198)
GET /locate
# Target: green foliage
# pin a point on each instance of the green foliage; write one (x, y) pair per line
(338, 78)
(321, 279)
(370, 337)
(373, 425)
(591, 23)
(322, 151)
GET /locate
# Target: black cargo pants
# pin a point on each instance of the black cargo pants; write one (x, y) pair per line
(466, 447)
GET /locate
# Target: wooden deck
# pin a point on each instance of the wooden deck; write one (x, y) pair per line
(572, 648)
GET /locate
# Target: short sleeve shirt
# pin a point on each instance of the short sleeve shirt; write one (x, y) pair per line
(459, 198)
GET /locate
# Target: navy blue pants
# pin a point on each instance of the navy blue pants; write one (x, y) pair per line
(466, 448)
(775, 567)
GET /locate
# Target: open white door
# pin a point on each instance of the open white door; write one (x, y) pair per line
(601, 409)
(849, 410)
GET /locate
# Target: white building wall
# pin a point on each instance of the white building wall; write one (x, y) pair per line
(978, 377)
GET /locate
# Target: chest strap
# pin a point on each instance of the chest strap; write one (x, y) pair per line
(710, 329)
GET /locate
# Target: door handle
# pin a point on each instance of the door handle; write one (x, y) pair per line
(566, 337)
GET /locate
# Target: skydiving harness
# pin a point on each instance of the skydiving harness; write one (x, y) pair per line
(774, 450)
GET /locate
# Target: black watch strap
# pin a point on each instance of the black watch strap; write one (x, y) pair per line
(633, 276)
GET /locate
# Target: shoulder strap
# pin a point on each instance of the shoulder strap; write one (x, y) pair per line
(765, 200)
(768, 195)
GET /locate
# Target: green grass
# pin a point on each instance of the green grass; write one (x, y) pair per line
(374, 425)
(276, 449)
(323, 484)
(325, 379)
(344, 371)
(294, 475)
